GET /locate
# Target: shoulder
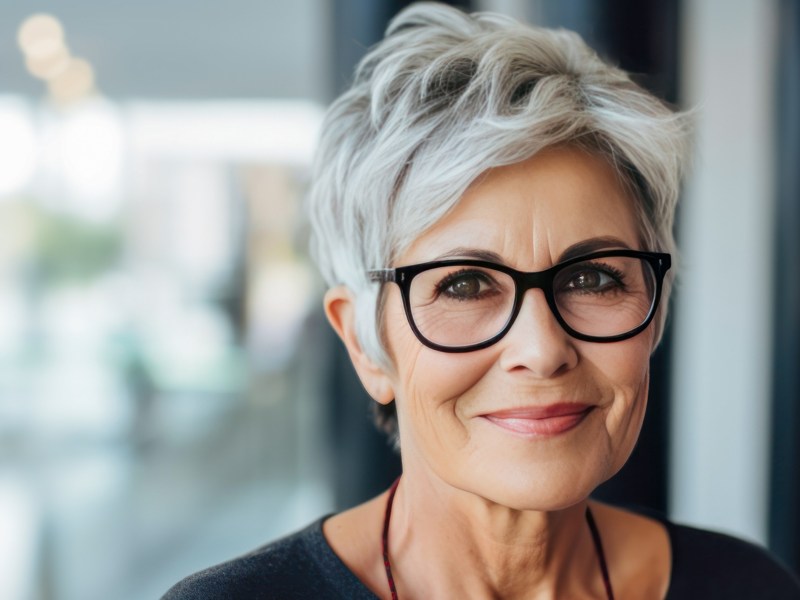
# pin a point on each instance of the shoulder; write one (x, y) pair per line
(707, 564)
(301, 565)
(678, 562)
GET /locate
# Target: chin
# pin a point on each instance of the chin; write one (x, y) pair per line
(552, 486)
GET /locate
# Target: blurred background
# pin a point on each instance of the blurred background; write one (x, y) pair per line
(170, 395)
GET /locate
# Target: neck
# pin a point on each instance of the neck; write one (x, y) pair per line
(447, 542)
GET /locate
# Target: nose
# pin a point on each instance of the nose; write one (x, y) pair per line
(536, 343)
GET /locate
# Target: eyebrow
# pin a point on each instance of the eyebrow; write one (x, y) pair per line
(592, 245)
(577, 249)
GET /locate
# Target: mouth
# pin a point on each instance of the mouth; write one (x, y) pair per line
(541, 420)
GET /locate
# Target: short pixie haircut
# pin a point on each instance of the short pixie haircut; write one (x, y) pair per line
(446, 96)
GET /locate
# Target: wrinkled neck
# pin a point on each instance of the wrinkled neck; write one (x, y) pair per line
(447, 542)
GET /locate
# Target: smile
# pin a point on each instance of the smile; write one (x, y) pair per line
(541, 421)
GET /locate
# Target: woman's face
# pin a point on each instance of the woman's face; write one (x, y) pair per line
(476, 420)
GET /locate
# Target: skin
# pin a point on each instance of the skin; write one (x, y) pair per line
(482, 512)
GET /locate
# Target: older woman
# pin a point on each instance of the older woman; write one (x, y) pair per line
(492, 206)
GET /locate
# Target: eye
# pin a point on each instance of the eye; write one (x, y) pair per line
(593, 279)
(466, 285)
(589, 280)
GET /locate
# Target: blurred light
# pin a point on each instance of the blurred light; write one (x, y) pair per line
(75, 81)
(282, 132)
(41, 35)
(48, 66)
(41, 38)
(201, 242)
(17, 149)
(89, 160)
(278, 307)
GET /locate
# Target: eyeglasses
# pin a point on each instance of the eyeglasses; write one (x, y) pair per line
(463, 305)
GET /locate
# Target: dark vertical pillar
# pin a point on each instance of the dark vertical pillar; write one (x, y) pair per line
(784, 527)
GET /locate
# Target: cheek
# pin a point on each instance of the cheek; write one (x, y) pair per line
(417, 367)
(625, 369)
(427, 381)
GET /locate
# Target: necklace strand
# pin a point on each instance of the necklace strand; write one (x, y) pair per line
(598, 546)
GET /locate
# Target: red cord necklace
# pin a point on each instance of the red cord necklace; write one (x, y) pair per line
(598, 546)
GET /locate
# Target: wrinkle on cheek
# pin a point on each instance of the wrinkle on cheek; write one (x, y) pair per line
(624, 388)
(438, 414)
(433, 409)
(627, 428)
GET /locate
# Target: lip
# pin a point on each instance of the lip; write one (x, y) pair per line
(548, 420)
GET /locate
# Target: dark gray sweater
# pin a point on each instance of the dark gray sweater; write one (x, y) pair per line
(705, 566)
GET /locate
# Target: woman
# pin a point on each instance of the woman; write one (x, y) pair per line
(492, 206)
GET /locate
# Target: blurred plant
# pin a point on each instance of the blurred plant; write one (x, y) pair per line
(69, 250)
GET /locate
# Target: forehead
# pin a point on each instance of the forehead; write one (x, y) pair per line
(531, 212)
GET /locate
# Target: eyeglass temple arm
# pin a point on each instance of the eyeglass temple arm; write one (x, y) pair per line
(382, 275)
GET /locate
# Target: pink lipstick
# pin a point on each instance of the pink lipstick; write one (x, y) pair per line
(541, 420)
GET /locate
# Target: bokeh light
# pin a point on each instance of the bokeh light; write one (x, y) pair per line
(17, 148)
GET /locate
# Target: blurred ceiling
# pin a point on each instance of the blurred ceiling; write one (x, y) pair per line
(182, 48)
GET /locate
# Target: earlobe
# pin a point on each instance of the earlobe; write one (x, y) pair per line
(341, 312)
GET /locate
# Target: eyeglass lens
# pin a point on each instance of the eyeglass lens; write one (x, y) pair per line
(461, 305)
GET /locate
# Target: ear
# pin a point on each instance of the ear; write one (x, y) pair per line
(340, 310)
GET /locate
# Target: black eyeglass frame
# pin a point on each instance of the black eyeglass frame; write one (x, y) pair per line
(524, 281)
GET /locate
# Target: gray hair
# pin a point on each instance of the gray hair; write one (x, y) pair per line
(446, 96)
